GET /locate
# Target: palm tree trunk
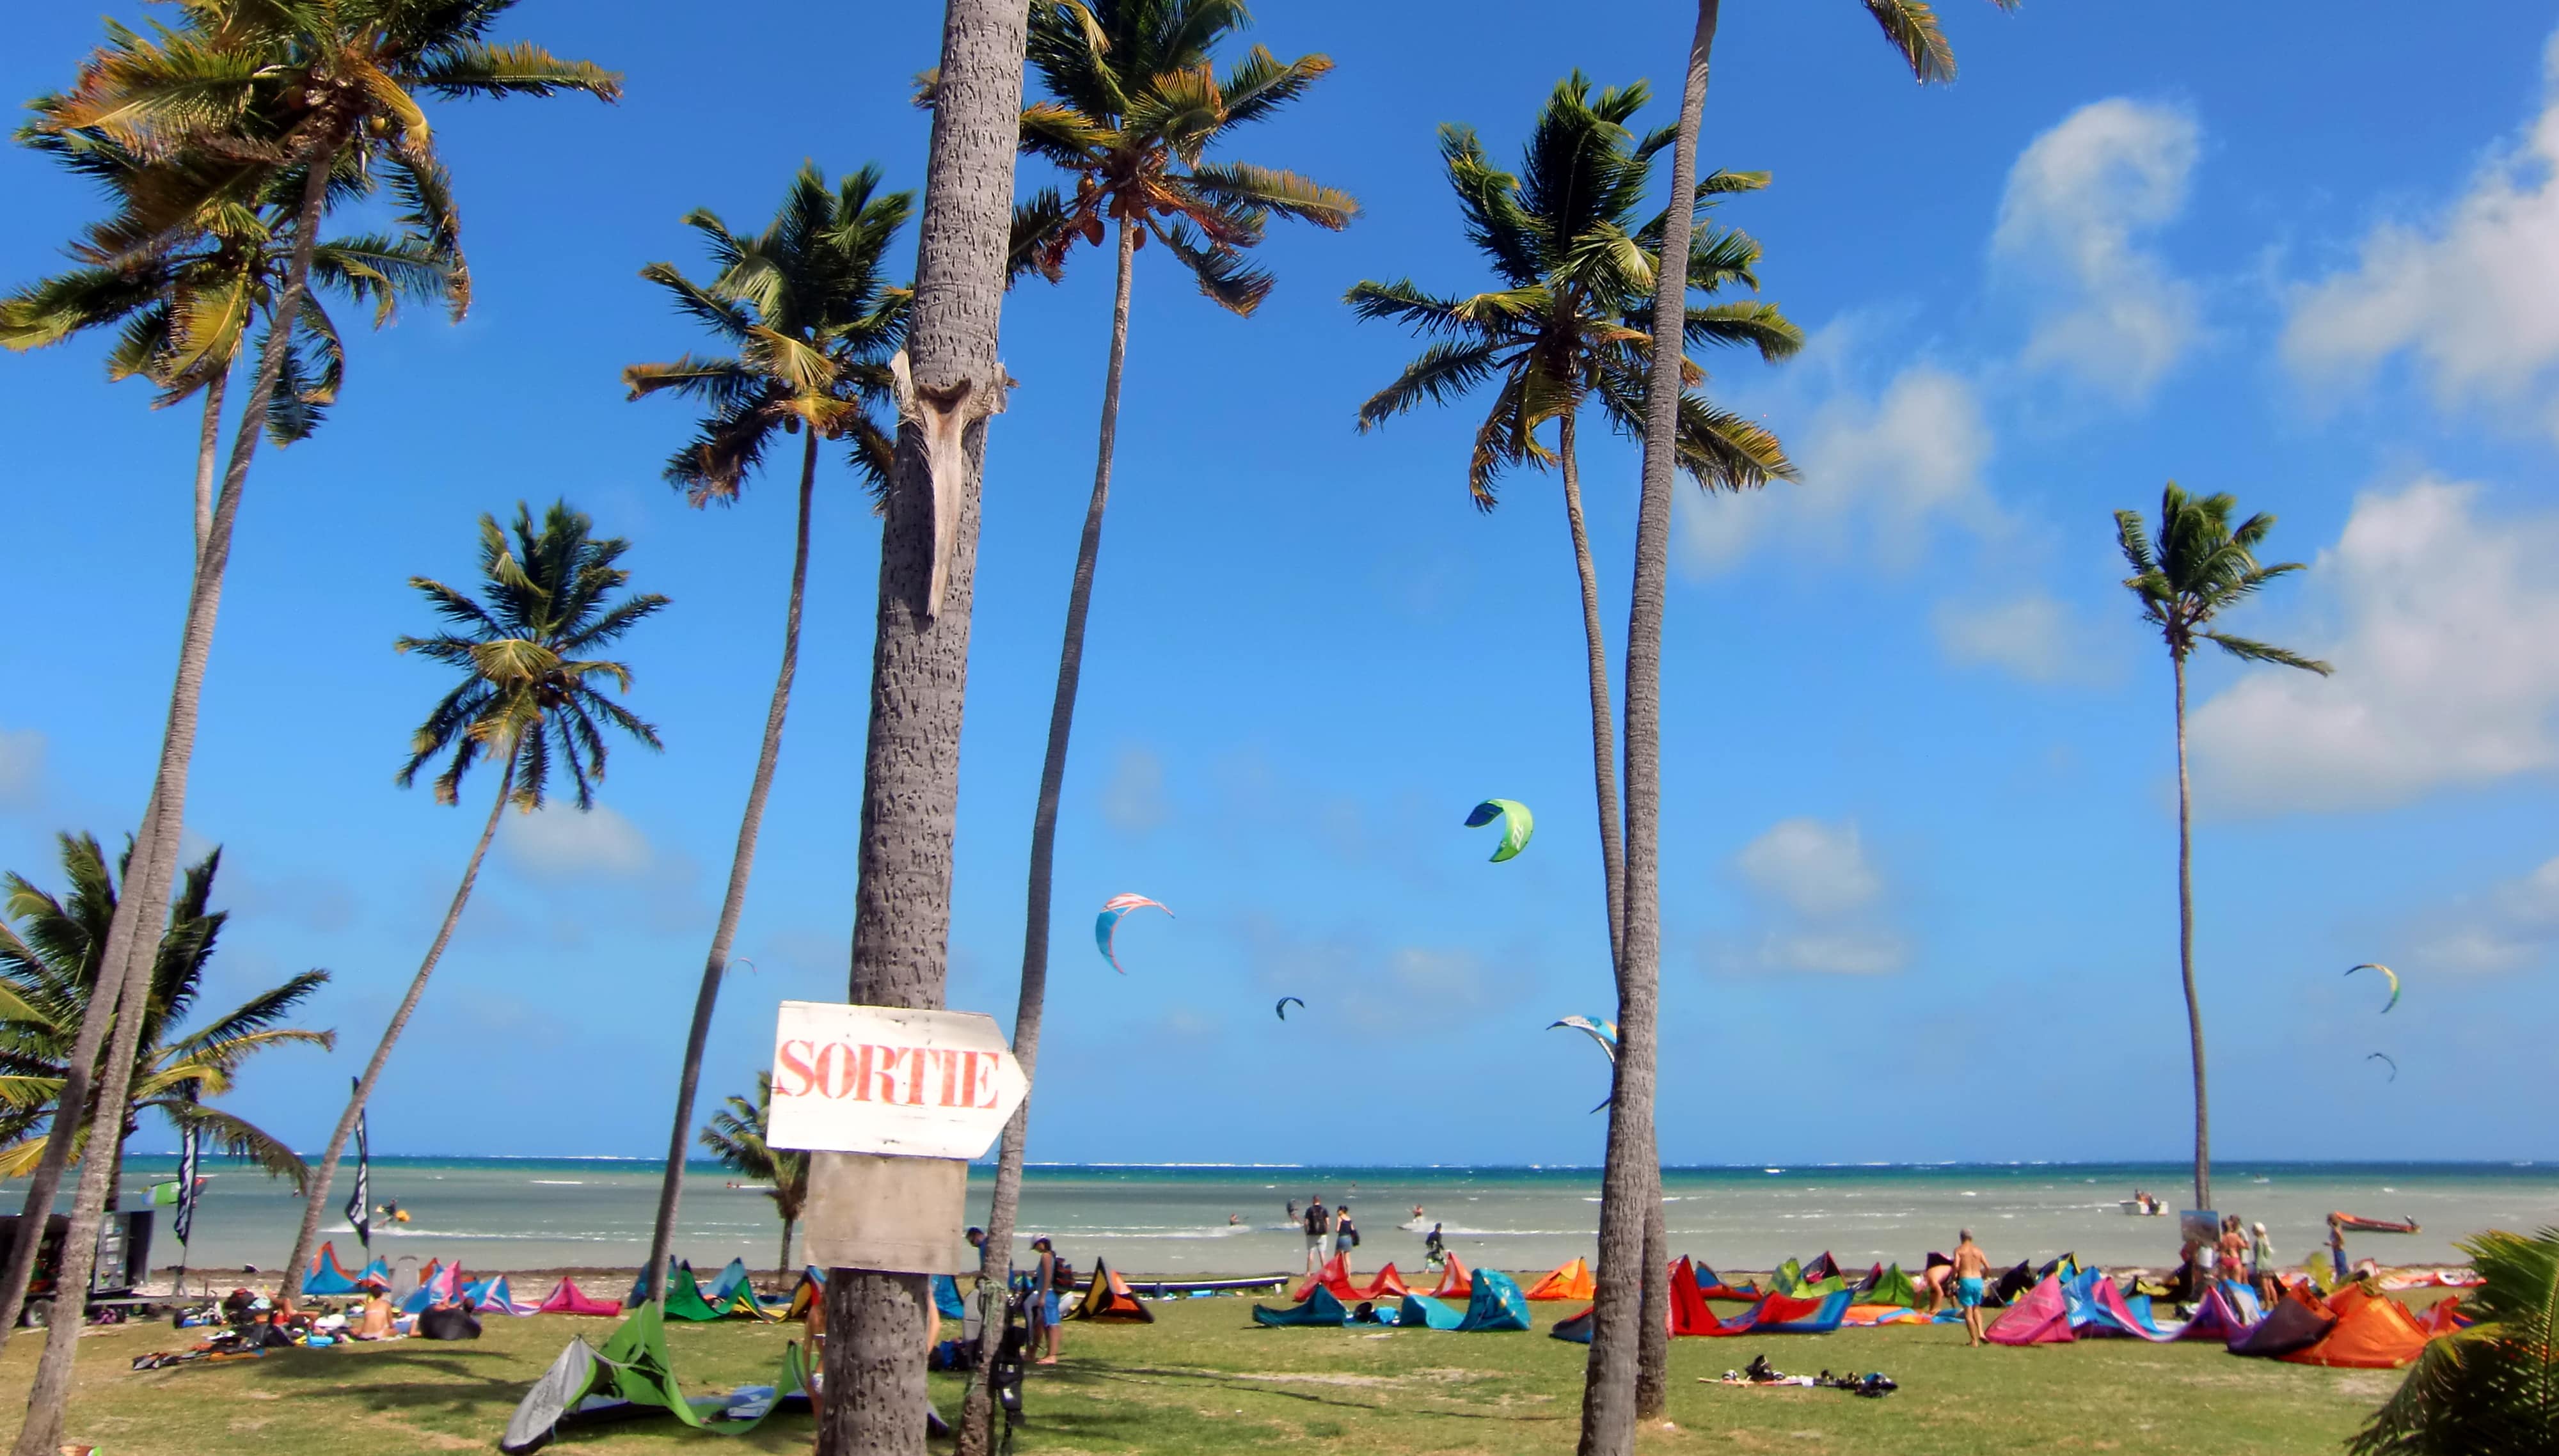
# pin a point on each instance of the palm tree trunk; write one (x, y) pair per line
(874, 1389)
(130, 953)
(208, 450)
(1632, 1176)
(322, 1176)
(783, 1271)
(46, 1183)
(2186, 948)
(976, 1406)
(1652, 1378)
(742, 867)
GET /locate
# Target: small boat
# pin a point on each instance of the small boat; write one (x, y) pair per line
(2375, 1226)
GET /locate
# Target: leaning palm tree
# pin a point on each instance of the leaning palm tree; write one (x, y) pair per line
(2196, 568)
(49, 973)
(1615, 1390)
(1136, 102)
(186, 305)
(528, 700)
(735, 1136)
(2493, 1386)
(220, 104)
(809, 309)
(949, 383)
(1570, 325)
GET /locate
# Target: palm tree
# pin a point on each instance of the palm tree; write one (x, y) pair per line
(48, 972)
(2490, 1387)
(184, 304)
(1615, 1389)
(240, 89)
(735, 1136)
(2199, 567)
(1136, 102)
(1571, 321)
(949, 383)
(527, 698)
(814, 321)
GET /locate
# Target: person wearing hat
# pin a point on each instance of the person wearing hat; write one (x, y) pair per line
(1045, 1314)
(2261, 1265)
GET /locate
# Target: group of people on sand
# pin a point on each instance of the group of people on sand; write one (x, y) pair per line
(1330, 1234)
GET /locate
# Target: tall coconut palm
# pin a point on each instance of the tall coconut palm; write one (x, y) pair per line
(528, 700)
(49, 973)
(187, 303)
(1576, 259)
(2198, 567)
(1135, 104)
(735, 1137)
(1612, 1393)
(948, 384)
(218, 104)
(809, 309)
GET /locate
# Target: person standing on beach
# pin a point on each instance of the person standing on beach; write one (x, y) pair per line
(2261, 1268)
(1345, 1237)
(2336, 1247)
(1972, 1269)
(1434, 1250)
(1318, 1222)
(1045, 1314)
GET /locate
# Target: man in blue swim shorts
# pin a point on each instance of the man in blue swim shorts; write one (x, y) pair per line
(1972, 1266)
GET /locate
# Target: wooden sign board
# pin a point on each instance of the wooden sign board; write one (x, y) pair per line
(890, 1081)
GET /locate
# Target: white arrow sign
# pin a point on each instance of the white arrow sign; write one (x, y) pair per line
(889, 1079)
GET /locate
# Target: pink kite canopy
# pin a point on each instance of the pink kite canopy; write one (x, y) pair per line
(1108, 925)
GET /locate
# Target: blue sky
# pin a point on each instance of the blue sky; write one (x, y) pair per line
(1919, 851)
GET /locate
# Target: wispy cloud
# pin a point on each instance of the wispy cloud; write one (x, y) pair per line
(22, 766)
(1818, 904)
(2081, 201)
(2447, 655)
(2470, 293)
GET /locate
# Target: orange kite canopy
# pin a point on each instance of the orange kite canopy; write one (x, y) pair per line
(2372, 1332)
(1572, 1281)
(1454, 1281)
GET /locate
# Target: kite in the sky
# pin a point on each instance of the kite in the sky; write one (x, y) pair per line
(2387, 974)
(1282, 1007)
(1599, 1030)
(2384, 1058)
(1517, 824)
(1108, 925)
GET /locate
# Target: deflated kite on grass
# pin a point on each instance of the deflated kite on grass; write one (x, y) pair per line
(1113, 911)
(2387, 974)
(1517, 824)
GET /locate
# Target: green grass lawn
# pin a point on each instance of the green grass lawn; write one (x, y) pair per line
(1202, 1380)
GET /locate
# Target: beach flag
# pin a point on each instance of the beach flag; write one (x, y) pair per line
(359, 1211)
(185, 1217)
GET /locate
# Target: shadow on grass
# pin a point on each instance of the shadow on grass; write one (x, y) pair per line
(1278, 1388)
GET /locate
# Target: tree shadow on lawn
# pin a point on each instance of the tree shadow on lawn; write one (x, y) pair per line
(1280, 1388)
(443, 1379)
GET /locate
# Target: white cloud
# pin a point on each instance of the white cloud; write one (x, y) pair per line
(2081, 201)
(2447, 666)
(1813, 867)
(2031, 635)
(1134, 800)
(22, 766)
(1819, 896)
(2473, 293)
(559, 841)
(2512, 925)
(1878, 471)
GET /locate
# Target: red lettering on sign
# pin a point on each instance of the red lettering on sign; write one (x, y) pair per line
(883, 1067)
(793, 1064)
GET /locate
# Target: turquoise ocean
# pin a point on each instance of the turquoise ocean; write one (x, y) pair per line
(499, 1213)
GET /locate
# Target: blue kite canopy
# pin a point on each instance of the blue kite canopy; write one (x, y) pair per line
(1495, 1304)
(1421, 1312)
(1320, 1308)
